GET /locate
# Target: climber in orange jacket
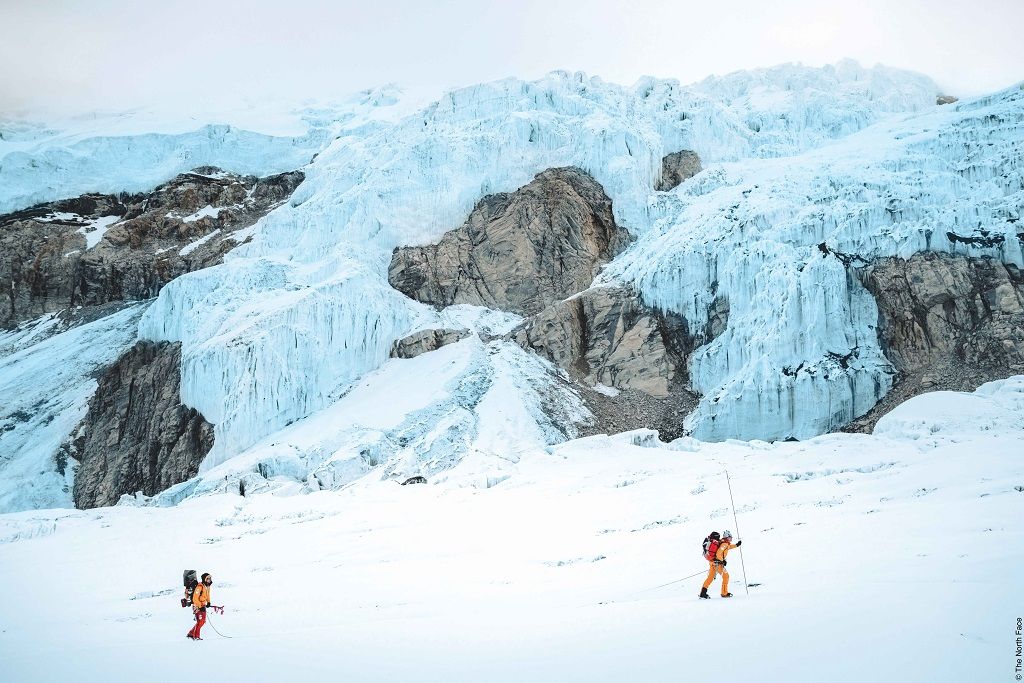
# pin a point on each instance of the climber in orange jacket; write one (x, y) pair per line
(200, 601)
(717, 565)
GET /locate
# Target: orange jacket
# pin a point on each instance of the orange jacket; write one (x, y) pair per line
(200, 597)
(723, 550)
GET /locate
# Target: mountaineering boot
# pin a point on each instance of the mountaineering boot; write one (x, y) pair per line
(727, 595)
(704, 594)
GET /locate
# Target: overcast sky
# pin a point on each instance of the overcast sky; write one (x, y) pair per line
(72, 56)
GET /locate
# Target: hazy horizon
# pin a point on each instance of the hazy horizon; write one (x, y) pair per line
(60, 58)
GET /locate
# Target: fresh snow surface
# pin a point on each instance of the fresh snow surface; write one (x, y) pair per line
(92, 229)
(192, 246)
(884, 557)
(46, 382)
(95, 229)
(207, 211)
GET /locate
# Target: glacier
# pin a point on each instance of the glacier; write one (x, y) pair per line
(466, 413)
(800, 355)
(858, 160)
(310, 306)
(111, 152)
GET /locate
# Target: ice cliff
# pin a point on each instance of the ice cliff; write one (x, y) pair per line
(805, 171)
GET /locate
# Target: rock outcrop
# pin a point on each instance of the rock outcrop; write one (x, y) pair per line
(96, 249)
(606, 335)
(945, 322)
(137, 436)
(425, 341)
(535, 252)
(518, 251)
(677, 167)
(627, 359)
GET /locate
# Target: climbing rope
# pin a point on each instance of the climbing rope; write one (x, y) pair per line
(672, 582)
(210, 622)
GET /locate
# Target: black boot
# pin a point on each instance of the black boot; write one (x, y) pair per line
(704, 594)
(727, 595)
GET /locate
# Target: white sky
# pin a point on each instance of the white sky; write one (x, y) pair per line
(72, 56)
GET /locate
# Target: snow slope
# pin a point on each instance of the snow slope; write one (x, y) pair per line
(885, 557)
(466, 412)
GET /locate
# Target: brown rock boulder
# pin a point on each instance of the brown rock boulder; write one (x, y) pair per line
(425, 341)
(518, 251)
(607, 335)
(677, 167)
(937, 308)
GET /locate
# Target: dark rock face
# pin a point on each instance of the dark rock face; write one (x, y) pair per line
(945, 322)
(425, 341)
(946, 99)
(607, 335)
(519, 251)
(137, 436)
(677, 167)
(140, 242)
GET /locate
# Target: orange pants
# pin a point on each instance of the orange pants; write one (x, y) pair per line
(717, 569)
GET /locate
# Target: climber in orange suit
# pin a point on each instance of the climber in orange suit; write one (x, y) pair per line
(717, 565)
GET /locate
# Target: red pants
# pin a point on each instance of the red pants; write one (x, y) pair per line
(200, 620)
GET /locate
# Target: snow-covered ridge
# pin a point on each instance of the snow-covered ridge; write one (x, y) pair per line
(137, 150)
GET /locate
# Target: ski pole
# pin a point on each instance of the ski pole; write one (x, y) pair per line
(736, 522)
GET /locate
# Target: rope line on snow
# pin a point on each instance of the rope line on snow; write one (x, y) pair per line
(209, 620)
(671, 582)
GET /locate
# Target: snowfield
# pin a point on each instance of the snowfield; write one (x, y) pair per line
(894, 556)
(532, 554)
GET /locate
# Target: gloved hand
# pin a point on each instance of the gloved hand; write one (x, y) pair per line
(739, 543)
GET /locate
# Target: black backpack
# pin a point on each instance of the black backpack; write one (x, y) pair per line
(191, 582)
